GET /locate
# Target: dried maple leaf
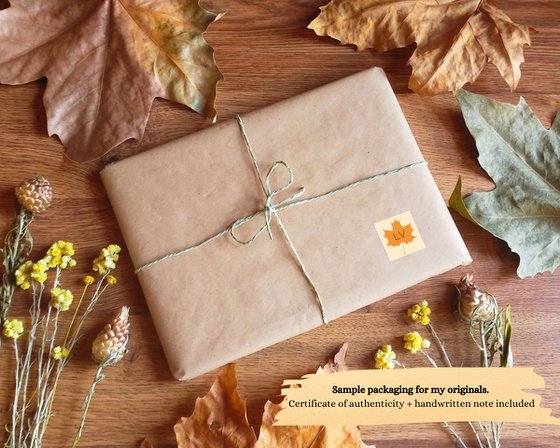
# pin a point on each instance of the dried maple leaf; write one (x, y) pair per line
(309, 436)
(522, 157)
(106, 61)
(218, 419)
(399, 234)
(455, 38)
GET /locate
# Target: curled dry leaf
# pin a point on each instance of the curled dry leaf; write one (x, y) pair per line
(218, 419)
(455, 38)
(106, 61)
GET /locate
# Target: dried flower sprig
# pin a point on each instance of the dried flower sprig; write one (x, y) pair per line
(34, 196)
(33, 399)
(420, 313)
(107, 349)
(490, 328)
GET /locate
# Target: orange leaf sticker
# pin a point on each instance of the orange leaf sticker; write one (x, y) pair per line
(399, 236)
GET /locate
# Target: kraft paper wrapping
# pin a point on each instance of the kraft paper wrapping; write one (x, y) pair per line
(224, 300)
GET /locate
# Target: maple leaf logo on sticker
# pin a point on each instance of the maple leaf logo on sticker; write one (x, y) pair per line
(400, 240)
(399, 235)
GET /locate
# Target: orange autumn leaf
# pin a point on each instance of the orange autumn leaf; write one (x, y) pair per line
(105, 61)
(398, 234)
(219, 419)
(310, 436)
(455, 38)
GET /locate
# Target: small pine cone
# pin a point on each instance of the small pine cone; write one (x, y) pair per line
(110, 344)
(474, 303)
(35, 194)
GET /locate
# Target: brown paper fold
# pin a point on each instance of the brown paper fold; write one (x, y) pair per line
(224, 300)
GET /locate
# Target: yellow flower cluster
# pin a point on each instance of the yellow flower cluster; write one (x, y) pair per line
(413, 342)
(12, 329)
(39, 271)
(23, 274)
(107, 259)
(420, 312)
(59, 352)
(385, 358)
(61, 299)
(60, 255)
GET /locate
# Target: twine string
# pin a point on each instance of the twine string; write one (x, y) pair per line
(270, 211)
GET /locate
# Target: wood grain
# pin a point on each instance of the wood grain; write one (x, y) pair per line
(267, 54)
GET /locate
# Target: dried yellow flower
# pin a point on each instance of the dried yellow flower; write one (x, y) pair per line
(59, 353)
(88, 280)
(12, 329)
(60, 255)
(413, 342)
(420, 312)
(107, 259)
(34, 194)
(23, 275)
(110, 344)
(61, 299)
(385, 358)
(39, 271)
(111, 280)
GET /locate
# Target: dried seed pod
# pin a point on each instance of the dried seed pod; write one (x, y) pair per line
(473, 303)
(110, 344)
(35, 194)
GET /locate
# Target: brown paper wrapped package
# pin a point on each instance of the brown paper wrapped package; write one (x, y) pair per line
(225, 300)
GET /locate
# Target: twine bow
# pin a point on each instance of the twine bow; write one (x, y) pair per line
(270, 208)
(270, 211)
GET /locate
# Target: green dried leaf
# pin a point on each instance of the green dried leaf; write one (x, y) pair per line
(523, 159)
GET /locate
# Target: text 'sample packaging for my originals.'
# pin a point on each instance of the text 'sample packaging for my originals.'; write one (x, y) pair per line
(223, 300)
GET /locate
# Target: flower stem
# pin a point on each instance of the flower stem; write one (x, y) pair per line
(98, 377)
(440, 345)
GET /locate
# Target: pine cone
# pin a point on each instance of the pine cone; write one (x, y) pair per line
(110, 344)
(35, 194)
(474, 303)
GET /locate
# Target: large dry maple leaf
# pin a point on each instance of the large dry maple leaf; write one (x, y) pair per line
(106, 61)
(220, 420)
(455, 38)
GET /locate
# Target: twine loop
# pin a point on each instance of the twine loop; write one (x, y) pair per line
(270, 208)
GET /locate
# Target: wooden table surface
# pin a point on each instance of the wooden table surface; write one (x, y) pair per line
(267, 54)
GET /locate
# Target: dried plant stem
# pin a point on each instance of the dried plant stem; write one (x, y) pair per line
(72, 335)
(451, 431)
(12, 440)
(440, 345)
(98, 377)
(429, 358)
(17, 245)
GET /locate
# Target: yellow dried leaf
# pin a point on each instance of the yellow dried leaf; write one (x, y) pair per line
(106, 61)
(455, 38)
(219, 419)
